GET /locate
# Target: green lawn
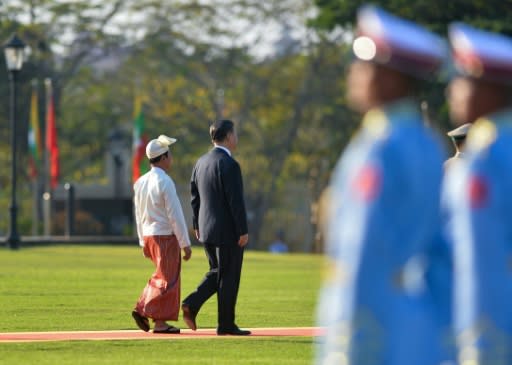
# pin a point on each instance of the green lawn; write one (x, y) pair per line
(94, 287)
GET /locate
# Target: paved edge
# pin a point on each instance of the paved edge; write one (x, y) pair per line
(140, 335)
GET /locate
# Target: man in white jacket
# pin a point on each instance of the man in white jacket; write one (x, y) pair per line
(162, 233)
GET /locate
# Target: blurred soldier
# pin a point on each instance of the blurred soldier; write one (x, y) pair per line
(478, 199)
(458, 137)
(386, 301)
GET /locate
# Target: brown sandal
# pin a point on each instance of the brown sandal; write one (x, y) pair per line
(141, 321)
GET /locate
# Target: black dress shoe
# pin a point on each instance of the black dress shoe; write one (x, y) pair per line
(170, 329)
(189, 316)
(232, 332)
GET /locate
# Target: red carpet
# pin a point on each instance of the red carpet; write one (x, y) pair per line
(139, 335)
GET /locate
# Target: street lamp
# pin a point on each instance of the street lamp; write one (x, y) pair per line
(14, 50)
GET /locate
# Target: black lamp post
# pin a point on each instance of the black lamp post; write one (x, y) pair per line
(14, 50)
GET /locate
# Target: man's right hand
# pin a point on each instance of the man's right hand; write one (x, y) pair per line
(243, 240)
(188, 253)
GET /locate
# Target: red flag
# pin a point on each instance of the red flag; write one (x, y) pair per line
(139, 162)
(51, 143)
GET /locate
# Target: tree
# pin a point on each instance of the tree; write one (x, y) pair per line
(272, 100)
(62, 36)
(494, 15)
(187, 62)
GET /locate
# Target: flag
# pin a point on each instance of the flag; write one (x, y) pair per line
(34, 136)
(139, 162)
(51, 141)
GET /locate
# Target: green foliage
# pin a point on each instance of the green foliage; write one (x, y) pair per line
(188, 70)
(436, 15)
(494, 15)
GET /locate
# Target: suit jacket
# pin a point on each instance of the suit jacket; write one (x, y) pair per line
(218, 199)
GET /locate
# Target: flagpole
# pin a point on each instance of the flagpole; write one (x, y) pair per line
(138, 146)
(47, 196)
(35, 197)
(34, 111)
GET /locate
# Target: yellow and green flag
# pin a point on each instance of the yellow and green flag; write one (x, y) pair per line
(34, 136)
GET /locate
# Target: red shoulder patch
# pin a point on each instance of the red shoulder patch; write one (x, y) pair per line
(478, 192)
(368, 182)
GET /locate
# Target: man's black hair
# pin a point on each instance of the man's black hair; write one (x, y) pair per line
(158, 158)
(220, 129)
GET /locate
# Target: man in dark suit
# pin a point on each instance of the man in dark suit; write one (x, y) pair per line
(220, 223)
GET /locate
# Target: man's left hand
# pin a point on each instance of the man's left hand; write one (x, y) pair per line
(187, 253)
(243, 240)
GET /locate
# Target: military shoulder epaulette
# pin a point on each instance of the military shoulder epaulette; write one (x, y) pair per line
(376, 123)
(482, 134)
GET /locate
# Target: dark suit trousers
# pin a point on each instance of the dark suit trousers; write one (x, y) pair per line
(223, 278)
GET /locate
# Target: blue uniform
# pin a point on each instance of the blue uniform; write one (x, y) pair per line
(387, 298)
(479, 202)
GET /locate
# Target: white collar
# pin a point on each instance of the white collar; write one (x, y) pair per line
(157, 169)
(223, 148)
